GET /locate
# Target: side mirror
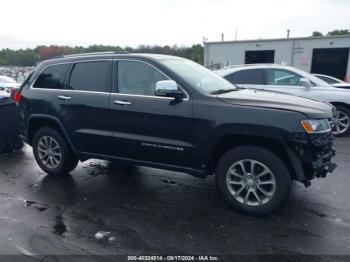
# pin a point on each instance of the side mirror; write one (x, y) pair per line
(305, 83)
(168, 88)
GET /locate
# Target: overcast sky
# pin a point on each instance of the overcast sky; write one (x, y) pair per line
(25, 23)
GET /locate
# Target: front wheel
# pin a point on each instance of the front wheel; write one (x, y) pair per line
(253, 180)
(341, 121)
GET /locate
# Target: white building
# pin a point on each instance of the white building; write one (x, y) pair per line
(323, 55)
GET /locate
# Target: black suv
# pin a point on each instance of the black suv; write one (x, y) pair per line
(171, 113)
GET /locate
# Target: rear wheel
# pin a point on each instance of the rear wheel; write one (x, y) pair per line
(253, 180)
(341, 121)
(52, 152)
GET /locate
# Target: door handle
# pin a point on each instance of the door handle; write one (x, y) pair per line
(65, 98)
(122, 103)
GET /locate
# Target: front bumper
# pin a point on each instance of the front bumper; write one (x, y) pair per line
(316, 155)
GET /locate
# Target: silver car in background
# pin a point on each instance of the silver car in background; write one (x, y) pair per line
(8, 85)
(294, 81)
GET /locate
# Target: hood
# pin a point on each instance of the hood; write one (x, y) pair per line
(276, 100)
(332, 89)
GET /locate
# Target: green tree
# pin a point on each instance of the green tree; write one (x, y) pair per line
(29, 57)
(197, 54)
(339, 32)
(18, 57)
(317, 33)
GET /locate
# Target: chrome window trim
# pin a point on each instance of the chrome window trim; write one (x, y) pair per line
(111, 93)
(147, 96)
(83, 91)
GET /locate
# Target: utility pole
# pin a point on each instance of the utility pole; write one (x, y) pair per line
(222, 37)
(288, 32)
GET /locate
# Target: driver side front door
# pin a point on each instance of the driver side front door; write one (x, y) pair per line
(147, 127)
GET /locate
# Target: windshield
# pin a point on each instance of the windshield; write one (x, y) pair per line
(312, 78)
(197, 75)
(327, 79)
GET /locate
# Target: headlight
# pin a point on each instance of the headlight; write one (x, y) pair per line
(316, 126)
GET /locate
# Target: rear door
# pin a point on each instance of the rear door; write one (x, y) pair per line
(147, 127)
(42, 92)
(84, 106)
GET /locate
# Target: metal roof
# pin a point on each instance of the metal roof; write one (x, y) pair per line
(279, 39)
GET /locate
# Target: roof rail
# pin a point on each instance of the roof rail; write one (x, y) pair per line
(97, 53)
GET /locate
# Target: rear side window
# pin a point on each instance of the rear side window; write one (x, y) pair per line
(52, 77)
(252, 77)
(90, 76)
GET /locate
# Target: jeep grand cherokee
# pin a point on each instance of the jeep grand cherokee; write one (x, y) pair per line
(171, 113)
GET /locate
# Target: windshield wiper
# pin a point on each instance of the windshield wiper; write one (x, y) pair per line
(221, 91)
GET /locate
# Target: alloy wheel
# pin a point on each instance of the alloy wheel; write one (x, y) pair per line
(49, 152)
(250, 182)
(341, 123)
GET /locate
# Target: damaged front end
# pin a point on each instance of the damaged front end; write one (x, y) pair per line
(315, 153)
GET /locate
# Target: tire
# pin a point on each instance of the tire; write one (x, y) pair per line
(48, 143)
(342, 118)
(276, 181)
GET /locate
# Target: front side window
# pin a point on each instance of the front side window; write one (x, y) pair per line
(52, 77)
(90, 76)
(138, 78)
(247, 77)
(282, 77)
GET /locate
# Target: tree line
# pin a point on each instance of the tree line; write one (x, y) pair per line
(29, 57)
(332, 33)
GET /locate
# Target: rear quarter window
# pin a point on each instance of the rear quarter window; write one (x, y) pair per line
(52, 77)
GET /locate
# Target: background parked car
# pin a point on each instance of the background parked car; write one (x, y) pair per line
(9, 128)
(294, 81)
(8, 86)
(333, 81)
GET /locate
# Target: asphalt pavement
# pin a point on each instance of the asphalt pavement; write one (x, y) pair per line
(105, 208)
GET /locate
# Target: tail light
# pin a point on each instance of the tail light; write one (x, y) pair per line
(18, 97)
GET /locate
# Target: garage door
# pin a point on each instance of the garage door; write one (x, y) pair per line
(259, 57)
(330, 61)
